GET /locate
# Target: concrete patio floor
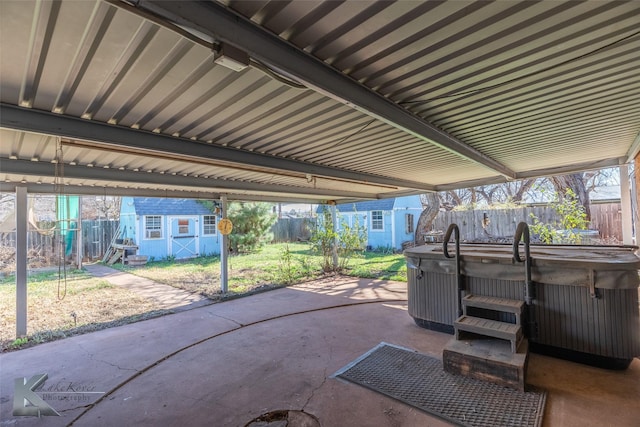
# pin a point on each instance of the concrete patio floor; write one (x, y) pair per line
(225, 364)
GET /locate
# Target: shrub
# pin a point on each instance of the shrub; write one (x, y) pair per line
(350, 240)
(572, 218)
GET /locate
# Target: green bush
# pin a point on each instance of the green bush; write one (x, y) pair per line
(572, 218)
(251, 224)
(350, 241)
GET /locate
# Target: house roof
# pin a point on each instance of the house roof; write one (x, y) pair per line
(370, 205)
(366, 206)
(611, 192)
(156, 206)
(341, 101)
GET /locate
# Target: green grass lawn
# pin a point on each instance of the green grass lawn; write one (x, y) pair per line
(91, 303)
(272, 266)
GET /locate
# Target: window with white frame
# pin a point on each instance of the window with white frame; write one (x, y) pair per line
(153, 227)
(209, 225)
(408, 223)
(377, 222)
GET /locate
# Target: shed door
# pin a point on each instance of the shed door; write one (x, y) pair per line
(183, 237)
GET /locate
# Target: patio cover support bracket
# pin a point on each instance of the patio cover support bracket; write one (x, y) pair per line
(222, 24)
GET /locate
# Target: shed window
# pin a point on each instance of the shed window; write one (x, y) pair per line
(408, 223)
(209, 224)
(153, 227)
(376, 220)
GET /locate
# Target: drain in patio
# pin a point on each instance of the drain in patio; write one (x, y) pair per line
(284, 418)
(419, 380)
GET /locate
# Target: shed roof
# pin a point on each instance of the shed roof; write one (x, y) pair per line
(369, 205)
(156, 206)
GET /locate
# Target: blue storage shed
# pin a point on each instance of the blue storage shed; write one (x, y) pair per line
(389, 222)
(162, 228)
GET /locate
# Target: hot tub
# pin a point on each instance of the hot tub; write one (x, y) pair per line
(584, 305)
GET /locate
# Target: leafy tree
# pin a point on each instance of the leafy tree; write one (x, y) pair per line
(251, 224)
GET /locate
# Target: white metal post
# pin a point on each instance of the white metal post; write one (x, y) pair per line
(224, 248)
(625, 199)
(79, 246)
(21, 261)
(334, 225)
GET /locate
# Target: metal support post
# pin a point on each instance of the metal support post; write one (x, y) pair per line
(21, 261)
(224, 251)
(625, 199)
(334, 225)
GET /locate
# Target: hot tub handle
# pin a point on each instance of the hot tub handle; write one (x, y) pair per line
(522, 233)
(419, 275)
(455, 230)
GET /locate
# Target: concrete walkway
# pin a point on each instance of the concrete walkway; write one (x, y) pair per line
(166, 296)
(226, 364)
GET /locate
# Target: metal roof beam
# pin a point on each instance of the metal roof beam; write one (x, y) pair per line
(141, 141)
(34, 188)
(29, 168)
(537, 173)
(633, 150)
(222, 24)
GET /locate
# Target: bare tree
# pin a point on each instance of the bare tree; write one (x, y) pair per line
(576, 183)
(100, 207)
(431, 203)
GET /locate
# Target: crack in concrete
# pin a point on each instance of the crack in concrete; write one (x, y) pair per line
(92, 357)
(241, 325)
(313, 392)
(61, 411)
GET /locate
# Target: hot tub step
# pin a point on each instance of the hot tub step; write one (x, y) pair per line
(493, 303)
(490, 328)
(488, 360)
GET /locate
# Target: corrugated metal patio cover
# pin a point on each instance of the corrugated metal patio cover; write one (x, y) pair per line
(343, 100)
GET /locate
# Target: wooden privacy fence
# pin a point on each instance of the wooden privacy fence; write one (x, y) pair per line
(607, 219)
(96, 238)
(500, 224)
(293, 229)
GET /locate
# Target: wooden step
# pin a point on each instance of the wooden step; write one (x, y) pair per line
(493, 303)
(488, 360)
(116, 257)
(489, 328)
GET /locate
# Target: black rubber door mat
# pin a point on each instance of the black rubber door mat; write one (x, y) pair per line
(419, 380)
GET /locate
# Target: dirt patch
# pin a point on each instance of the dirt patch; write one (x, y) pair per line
(89, 304)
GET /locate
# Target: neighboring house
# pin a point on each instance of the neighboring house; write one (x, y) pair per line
(180, 228)
(389, 222)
